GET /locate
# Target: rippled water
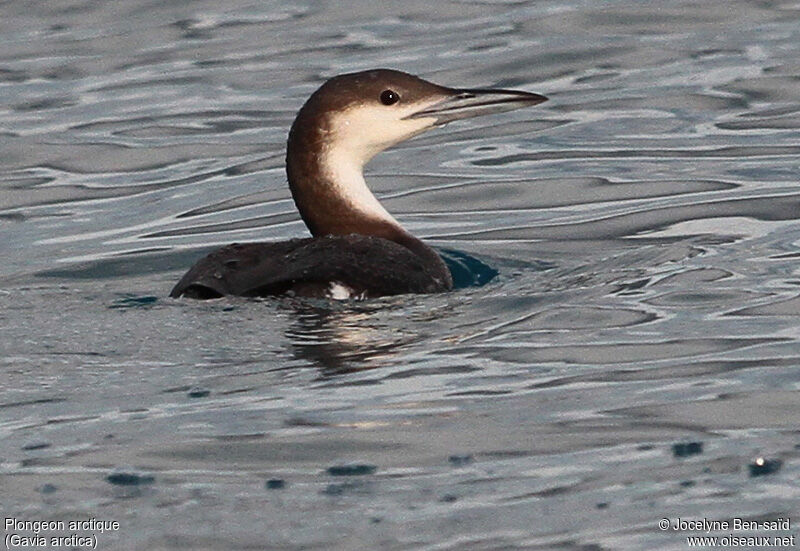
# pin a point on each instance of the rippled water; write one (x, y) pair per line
(637, 350)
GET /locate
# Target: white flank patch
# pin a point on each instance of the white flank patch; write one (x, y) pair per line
(339, 291)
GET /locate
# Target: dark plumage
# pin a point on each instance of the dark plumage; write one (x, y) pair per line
(307, 267)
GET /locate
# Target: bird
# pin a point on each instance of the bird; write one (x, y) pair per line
(357, 250)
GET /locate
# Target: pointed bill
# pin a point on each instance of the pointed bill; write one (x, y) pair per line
(465, 104)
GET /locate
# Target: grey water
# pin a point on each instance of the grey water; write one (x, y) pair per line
(625, 343)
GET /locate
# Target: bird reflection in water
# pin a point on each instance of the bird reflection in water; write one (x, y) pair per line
(344, 338)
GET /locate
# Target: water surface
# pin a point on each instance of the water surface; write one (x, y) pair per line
(643, 225)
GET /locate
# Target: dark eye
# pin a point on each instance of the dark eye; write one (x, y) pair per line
(389, 97)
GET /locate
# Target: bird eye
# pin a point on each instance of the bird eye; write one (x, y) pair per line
(389, 97)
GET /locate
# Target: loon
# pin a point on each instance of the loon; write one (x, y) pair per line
(358, 250)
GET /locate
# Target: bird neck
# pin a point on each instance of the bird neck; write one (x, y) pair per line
(328, 187)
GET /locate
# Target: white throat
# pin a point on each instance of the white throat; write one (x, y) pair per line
(356, 136)
(346, 175)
